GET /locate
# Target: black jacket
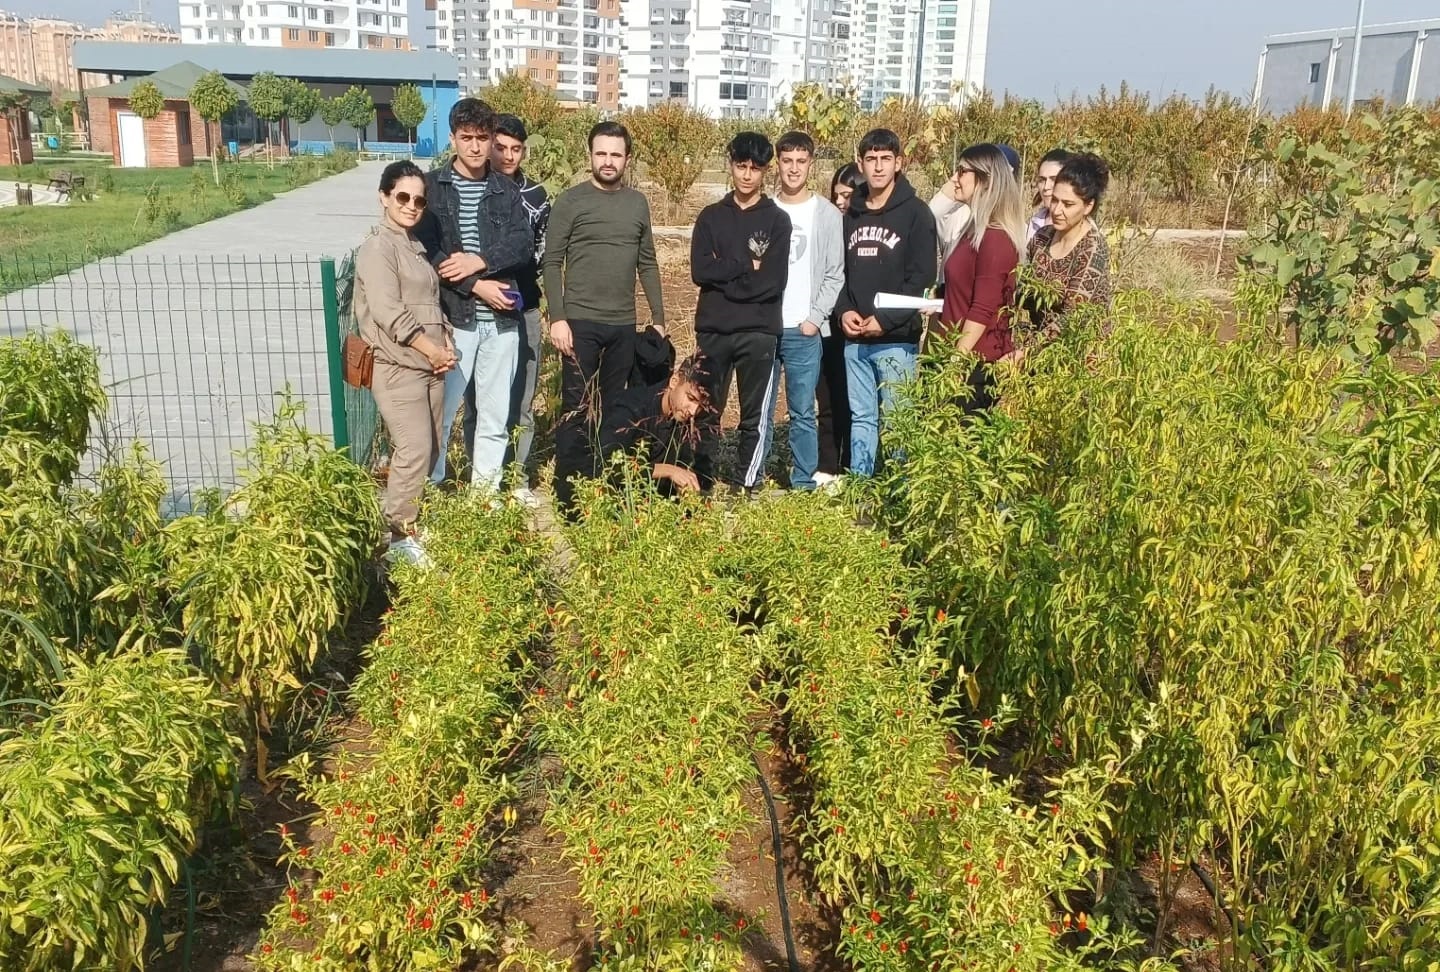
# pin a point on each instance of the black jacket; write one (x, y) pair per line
(537, 209)
(508, 241)
(893, 249)
(634, 419)
(734, 296)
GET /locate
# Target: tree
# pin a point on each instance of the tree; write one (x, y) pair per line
(516, 94)
(302, 102)
(213, 98)
(332, 113)
(674, 142)
(267, 100)
(359, 112)
(409, 109)
(146, 100)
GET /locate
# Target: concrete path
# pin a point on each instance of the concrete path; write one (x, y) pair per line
(199, 330)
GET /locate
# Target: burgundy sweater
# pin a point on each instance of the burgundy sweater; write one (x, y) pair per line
(980, 287)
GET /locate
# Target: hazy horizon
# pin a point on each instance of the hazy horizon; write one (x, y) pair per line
(1047, 49)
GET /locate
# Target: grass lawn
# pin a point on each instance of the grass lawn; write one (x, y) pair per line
(128, 207)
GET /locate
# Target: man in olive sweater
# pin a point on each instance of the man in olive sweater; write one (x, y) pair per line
(599, 240)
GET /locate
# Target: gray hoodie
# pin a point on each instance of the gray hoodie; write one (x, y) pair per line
(827, 264)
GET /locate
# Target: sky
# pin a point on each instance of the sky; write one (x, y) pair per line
(1049, 49)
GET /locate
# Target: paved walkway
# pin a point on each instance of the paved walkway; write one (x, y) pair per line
(200, 329)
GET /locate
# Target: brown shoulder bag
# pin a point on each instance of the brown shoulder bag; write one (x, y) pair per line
(359, 359)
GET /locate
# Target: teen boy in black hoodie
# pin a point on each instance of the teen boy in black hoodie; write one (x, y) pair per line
(890, 245)
(740, 260)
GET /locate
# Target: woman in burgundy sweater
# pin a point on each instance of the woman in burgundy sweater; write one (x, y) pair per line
(980, 273)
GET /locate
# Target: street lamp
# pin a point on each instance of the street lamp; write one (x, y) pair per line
(1355, 56)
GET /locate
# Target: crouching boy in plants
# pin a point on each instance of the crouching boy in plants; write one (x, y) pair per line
(659, 422)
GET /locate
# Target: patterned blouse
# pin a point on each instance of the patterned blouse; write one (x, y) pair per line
(1080, 277)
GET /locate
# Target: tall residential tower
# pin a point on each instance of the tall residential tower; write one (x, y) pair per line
(569, 46)
(375, 25)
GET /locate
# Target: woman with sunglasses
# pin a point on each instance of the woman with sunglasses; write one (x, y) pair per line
(980, 271)
(397, 302)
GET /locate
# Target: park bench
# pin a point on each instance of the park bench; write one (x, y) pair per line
(66, 182)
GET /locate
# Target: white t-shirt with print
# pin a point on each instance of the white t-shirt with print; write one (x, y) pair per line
(795, 306)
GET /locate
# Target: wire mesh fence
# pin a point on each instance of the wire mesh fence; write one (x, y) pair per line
(193, 351)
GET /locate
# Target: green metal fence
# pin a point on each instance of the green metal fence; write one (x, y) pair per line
(195, 351)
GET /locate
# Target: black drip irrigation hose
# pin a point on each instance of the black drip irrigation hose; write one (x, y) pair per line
(779, 850)
(1235, 921)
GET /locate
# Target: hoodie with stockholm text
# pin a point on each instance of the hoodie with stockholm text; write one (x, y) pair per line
(890, 249)
(726, 242)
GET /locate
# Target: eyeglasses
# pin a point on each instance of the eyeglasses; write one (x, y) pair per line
(405, 199)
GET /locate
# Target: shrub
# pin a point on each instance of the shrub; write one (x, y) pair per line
(1351, 254)
(265, 576)
(1214, 568)
(50, 392)
(674, 141)
(397, 879)
(103, 802)
(77, 569)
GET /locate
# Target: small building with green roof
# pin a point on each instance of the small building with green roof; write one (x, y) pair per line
(16, 97)
(168, 140)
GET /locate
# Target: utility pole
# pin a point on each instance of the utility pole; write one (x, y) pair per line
(1355, 56)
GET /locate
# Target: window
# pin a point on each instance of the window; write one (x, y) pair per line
(197, 32)
(394, 21)
(252, 33)
(293, 12)
(1315, 72)
(264, 33)
(329, 39)
(312, 13)
(195, 11)
(314, 37)
(679, 89)
(399, 43)
(210, 34)
(292, 34)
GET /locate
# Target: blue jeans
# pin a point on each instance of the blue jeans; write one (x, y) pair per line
(488, 357)
(873, 372)
(799, 355)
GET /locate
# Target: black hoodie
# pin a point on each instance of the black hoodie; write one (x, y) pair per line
(891, 249)
(734, 296)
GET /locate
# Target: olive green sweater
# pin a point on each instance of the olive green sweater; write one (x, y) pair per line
(597, 243)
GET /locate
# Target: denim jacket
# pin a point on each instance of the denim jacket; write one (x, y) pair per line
(507, 243)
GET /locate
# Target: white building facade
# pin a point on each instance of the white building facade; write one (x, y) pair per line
(572, 47)
(742, 57)
(933, 50)
(378, 25)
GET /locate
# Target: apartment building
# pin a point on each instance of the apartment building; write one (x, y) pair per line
(569, 46)
(731, 57)
(375, 25)
(933, 50)
(39, 50)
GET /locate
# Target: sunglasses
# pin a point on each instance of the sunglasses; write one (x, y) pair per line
(405, 199)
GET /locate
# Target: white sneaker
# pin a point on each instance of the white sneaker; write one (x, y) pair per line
(407, 550)
(528, 498)
(823, 479)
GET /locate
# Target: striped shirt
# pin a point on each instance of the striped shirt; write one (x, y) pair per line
(472, 194)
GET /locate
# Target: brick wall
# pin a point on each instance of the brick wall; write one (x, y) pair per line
(14, 126)
(169, 142)
(169, 137)
(102, 127)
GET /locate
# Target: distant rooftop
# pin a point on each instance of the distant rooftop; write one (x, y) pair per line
(174, 83)
(1371, 30)
(239, 61)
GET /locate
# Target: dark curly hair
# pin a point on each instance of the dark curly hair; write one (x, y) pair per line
(473, 113)
(1088, 175)
(396, 171)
